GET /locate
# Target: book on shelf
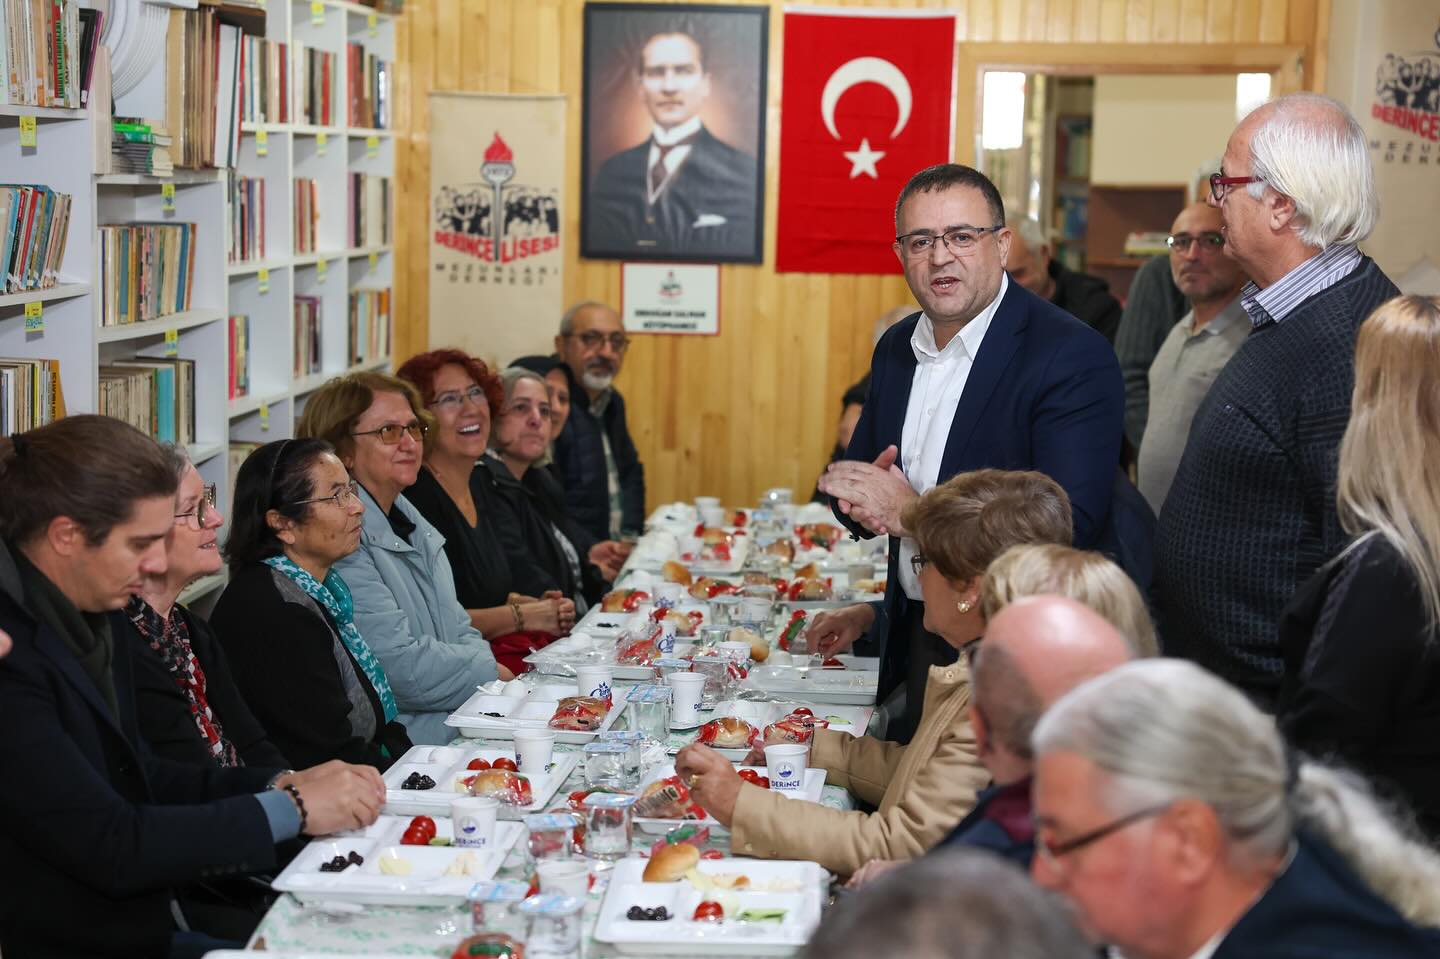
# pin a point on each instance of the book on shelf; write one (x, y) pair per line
(316, 73)
(246, 239)
(138, 145)
(369, 327)
(265, 97)
(307, 214)
(156, 395)
(34, 224)
(307, 336)
(46, 52)
(204, 75)
(238, 454)
(146, 271)
(370, 80)
(367, 210)
(30, 394)
(239, 378)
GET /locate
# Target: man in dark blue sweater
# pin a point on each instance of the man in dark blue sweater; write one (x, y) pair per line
(1252, 511)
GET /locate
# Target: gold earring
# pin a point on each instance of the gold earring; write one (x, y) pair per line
(965, 605)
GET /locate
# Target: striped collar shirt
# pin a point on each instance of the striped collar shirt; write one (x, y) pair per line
(1320, 272)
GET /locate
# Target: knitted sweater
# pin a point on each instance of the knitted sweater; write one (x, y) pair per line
(1252, 512)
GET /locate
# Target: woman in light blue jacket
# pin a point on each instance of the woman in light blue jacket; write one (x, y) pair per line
(404, 592)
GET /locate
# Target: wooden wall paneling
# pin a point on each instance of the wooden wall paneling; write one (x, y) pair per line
(1139, 15)
(1192, 21)
(1220, 21)
(1164, 20)
(1086, 21)
(1273, 21)
(1245, 25)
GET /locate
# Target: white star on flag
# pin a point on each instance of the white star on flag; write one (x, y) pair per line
(863, 160)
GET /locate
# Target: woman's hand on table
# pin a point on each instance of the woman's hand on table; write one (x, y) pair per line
(338, 796)
(873, 870)
(552, 613)
(712, 781)
(835, 631)
(609, 555)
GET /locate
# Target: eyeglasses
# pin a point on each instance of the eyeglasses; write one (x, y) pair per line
(1052, 851)
(592, 340)
(1209, 240)
(342, 497)
(526, 407)
(390, 433)
(962, 241)
(917, 563)
(203, 512)
(454, 399)
(1220, 183)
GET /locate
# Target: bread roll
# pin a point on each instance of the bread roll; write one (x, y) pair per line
(671, 863)
(675, 573)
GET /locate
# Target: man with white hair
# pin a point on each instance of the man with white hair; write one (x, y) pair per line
(1169, 812)
(1031, 264)
(1251, 513)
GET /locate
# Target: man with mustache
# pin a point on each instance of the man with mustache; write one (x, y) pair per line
(683, 190)
(602, 474)
(1197, 348)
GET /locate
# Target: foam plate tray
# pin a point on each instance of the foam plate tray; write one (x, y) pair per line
(447, 764)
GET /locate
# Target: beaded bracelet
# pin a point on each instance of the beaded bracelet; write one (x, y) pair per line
(294, 792)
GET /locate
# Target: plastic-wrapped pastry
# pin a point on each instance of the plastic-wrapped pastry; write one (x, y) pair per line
(582, 713)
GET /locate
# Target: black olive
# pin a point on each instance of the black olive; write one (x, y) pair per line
(355, 858)
(661, 913)
(635, 913)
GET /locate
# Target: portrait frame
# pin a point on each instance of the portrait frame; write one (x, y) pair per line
(711, 207)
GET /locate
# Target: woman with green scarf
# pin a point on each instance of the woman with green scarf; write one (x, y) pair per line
(286, 617)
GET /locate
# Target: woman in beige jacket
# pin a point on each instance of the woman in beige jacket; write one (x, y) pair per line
(921, 790)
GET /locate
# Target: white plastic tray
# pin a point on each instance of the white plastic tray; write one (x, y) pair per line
(855, 685)
(814, 787)
(796, 887)
(446, 764)
(531, 711)
(846, 719)
(562, 657)
(425, 886)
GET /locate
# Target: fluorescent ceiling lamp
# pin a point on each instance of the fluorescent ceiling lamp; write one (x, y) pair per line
(1003, 125)
(1251, 90)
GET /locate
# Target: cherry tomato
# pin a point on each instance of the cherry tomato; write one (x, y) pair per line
(505, 762)
(749, 775)
(802, 711)
(699, 529)
(414, 837)
(477, 764)
(709, 911)
(423, 824)
(712, 854)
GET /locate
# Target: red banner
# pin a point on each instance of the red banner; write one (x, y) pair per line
(867, 102)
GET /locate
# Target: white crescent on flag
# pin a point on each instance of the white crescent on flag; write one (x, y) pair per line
(866, 70)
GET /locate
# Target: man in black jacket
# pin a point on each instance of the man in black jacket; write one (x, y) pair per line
(1085, 297)
(598, 465)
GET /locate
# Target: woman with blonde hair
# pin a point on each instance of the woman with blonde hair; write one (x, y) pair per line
(1362, 661)
(1085, 576)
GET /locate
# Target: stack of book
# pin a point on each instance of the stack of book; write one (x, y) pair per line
(30, 394)
(316, 73)
(369, 325)
(34, 222)
(138, 145)
(146, 271)
(203, 81)
(307, 336)
(370, 79)
(47, 53)
(266, 94)
(367, 210)
(239, 355)
(246, 241)
(307, 214)
(153, 394)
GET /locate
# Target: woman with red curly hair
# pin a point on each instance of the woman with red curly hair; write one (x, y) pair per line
(496, 581)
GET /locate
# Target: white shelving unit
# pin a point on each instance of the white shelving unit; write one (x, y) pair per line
(65, 160)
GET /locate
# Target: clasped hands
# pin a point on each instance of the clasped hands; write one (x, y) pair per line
(872, 494)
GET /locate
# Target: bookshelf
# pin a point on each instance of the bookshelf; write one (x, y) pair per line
(66, 159)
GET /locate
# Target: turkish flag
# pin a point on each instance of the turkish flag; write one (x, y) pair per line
(867, 102)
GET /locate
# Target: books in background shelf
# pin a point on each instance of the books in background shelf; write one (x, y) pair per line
(266, 94)
(307, 214)
(367, 210)
(369, 328)
(146, 271)
(314, 82)
(239, 453)
(156, 395)
(34, 223)
(138, 145)
(239, 378)
(30, 394)
(307, 335)
(44, 56)
(369, 78)
(204, 71)
(246, 239)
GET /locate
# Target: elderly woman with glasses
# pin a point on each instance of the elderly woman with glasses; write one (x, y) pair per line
(287, 617)
(190, 708)
(405, 600)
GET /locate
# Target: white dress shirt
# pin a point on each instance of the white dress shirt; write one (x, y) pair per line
(935, 389)
(673, 159)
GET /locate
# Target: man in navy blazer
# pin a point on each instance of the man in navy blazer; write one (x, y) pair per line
(989, 375)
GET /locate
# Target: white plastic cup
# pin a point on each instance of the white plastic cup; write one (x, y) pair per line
(473, 821)
(734, 651)
(533, 751)
(712, 516)
(756, 609)
(785, 764)
(566, 877)
(702, 503)
(597, 681)
(688, 695)
(669, 593)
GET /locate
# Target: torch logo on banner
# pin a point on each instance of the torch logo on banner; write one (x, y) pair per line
(497, 221)
(498, 170)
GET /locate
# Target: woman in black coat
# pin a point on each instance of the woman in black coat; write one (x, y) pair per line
(286, 616)
(1360, 639)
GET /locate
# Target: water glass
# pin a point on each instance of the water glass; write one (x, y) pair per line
(608, 825)
(777, 496)
(495, 907)
(648, 711)
(725, 610)
(635, 743)
(552, 835)
(605, 765)
(716, 670)
(553, 926)
(711, 636)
